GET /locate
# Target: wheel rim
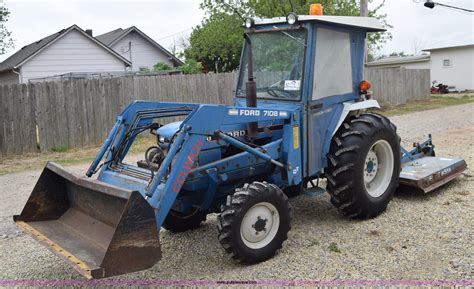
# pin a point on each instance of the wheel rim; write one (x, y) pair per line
(378, 168)
(260, 225)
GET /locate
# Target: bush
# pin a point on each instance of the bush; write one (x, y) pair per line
(160, 66)
(191, 67)
(60, 149)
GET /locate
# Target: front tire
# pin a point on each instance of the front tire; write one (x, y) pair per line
(363, 165)
(254, 222)
(177, 222)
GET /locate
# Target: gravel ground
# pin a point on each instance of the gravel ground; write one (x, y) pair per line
(421, 237)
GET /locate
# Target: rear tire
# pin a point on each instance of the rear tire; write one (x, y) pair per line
(177, 222)
(363, 165)
(254, 222)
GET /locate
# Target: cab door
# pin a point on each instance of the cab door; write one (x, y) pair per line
(332, 84)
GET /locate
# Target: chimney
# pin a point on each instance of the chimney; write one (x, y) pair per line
(89, 31)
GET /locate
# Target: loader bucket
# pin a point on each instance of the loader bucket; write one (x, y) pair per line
(99, 229)
(429, 173)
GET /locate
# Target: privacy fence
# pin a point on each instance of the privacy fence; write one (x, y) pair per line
(396, 86)
(77, 113)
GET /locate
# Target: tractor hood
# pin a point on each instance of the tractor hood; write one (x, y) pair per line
(168, 130)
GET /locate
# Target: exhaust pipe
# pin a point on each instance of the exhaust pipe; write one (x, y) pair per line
(250, 88)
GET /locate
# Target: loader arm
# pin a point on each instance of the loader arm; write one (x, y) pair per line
(201, 122)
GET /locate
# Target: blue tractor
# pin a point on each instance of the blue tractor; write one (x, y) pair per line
(298, 116)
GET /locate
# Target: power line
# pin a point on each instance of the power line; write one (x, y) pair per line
(430, 4)
(177, 33)
(457, 10)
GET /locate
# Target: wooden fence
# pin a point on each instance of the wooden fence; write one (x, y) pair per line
(78, 113)
(81, 112)
(17, 120)
(396, 86)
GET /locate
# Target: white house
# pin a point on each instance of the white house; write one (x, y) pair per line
(134, 45)
(451, 64)
(71, 50)
(410, 62)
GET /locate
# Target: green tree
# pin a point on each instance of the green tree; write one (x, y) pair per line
(6, 41)
(393, 54)
(217, 42)
(400, 54)
(160, 66)
(191, 67)
(274, 8)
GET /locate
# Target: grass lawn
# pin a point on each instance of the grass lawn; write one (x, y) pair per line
(64, 156)
(436, 101)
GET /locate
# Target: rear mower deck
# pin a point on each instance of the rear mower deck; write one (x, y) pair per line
(429, 173)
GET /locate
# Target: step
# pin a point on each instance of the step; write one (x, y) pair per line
(314, 191)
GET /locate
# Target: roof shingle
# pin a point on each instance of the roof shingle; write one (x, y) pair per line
(109, 37)
(113, 36)
(28, 50)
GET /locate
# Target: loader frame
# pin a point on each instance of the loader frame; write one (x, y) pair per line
(202, 123)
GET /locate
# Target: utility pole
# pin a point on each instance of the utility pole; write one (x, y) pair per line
(364, 12)
(364, 9)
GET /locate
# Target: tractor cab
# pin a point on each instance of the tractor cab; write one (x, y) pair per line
(310, 63)
(305, 58)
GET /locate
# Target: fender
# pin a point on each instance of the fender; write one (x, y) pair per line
(353, 106)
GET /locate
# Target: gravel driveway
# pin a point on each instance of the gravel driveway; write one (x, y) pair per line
(419, 236)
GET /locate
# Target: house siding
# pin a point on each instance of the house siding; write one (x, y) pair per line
(408, 65)
(74, 52)
(8, 77)
(143, 53)
(461, 71)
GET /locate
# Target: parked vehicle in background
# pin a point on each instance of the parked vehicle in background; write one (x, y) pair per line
(439, 88)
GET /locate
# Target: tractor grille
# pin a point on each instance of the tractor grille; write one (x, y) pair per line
(131, 171)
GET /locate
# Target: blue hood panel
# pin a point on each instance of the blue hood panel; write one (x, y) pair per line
(168, 130)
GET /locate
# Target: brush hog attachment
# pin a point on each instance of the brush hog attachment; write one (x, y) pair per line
(99, 229)
(429, 173)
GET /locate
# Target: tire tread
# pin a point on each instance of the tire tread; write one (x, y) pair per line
(229, 218)
(342, 159)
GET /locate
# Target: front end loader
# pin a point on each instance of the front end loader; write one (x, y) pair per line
(299, 115)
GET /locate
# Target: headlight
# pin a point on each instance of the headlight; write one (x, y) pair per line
(249, 22)
(291, 18)
(161, 139)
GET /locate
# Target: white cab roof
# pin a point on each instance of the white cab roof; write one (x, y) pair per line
(368, 23)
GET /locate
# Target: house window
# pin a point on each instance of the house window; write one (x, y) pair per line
(447, 62)
(143, 69)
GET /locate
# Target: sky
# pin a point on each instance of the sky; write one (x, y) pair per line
(169, 21)
(416, 26)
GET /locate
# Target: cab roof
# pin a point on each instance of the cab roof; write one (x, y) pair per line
(368, 23)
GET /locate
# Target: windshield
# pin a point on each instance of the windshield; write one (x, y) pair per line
(277, 62)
